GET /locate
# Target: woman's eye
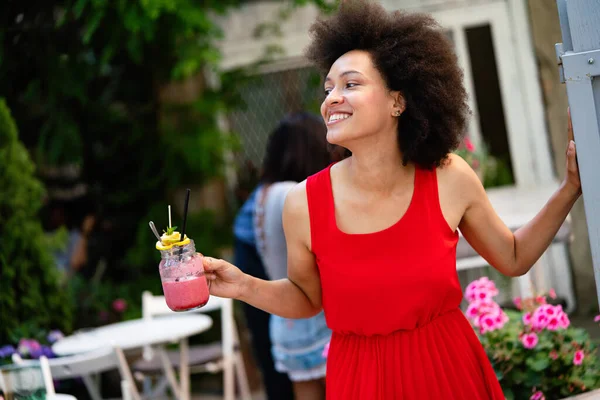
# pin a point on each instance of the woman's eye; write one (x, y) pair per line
(327, 91)
(351, 84)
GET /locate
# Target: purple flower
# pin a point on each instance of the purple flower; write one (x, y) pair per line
(597, 318)
(7, 351)
(47, 351)
(36, 353)
(29, 347)
(54, 336)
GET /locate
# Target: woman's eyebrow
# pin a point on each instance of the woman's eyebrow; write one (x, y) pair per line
(327, 78)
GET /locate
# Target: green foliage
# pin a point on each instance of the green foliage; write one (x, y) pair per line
(547, 367)
(534, 349)
(492, 171)
(91, 82)
(29, 281)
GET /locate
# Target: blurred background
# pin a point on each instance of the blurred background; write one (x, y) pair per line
(111, 109)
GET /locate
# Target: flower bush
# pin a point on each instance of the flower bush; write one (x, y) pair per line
(491, 170)
(476, 158)
(31, 348)
(535, 351)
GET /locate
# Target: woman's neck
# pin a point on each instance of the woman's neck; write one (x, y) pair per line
(377, 166)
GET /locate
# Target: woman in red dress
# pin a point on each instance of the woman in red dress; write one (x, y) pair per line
(372, 239)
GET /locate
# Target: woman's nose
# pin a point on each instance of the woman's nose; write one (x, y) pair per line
(334, 97)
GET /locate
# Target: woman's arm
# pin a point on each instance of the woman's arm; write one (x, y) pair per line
(514, 254)
(298, 296)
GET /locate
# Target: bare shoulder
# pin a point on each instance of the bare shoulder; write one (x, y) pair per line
(458, 187)
(296, 220)
(296, 201)
(458, 174)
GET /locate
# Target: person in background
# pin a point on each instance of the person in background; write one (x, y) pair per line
(296, 149)
(277, 385)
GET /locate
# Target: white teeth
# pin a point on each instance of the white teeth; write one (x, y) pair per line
(335, 117)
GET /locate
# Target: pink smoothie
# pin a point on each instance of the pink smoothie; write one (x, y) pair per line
(186, 294)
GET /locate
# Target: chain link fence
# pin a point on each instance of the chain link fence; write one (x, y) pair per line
(268, 98)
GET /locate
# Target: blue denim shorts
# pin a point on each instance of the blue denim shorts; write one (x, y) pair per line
(298, 346)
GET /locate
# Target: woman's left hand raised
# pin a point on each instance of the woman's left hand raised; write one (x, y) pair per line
(572, 181)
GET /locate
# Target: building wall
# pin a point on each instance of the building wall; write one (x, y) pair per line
(241, 47)
(545, 29)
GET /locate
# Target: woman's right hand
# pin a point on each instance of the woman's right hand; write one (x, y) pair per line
(226, 280)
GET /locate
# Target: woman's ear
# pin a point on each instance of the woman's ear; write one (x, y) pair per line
(399, 103)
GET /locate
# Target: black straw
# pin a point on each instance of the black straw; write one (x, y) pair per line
(185, 211)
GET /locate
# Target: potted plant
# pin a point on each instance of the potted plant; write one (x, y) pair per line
(535, 351)
(476, 158)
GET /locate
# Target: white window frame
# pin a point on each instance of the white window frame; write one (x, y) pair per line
(518, 80)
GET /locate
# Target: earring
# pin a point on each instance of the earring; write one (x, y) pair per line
(397, 113)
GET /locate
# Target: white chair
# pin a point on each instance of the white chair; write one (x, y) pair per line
(85, 366)
(220, 356)
(17, 381)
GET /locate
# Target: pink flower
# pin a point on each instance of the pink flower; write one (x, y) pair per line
(518, 303)
(549, 316)
(482, 289)
(540, 299)
(473, 309)
(119, 305)
(325, 350)
(563, 320)
(529, 340)
(553, 354)
(492, 320)
(552, 294)
(527, 318)
(487, 323)
(553, 324)
(597, 318)
(482, 294)
(540, 321)
(550, 311)
(29, 347)
(578, 357)
(469, 145)
(538, 396)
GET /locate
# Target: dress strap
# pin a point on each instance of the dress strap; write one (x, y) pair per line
(320, 207)
(429, 199)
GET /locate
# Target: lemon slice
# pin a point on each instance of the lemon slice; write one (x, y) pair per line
(169, 241)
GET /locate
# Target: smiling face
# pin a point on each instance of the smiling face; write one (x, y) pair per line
(358, 103)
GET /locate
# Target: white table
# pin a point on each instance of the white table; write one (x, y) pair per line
(139, 334)
(516, 206)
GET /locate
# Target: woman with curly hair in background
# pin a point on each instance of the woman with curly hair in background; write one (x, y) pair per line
(372, 239)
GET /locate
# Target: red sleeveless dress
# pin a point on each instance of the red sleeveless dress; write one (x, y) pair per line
(392, 300)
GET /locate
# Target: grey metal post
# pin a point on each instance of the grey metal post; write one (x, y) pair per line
(579, 61)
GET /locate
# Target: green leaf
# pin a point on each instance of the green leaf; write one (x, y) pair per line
(92, 26)
(538, 363)
(170, 230)
(79, 7)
